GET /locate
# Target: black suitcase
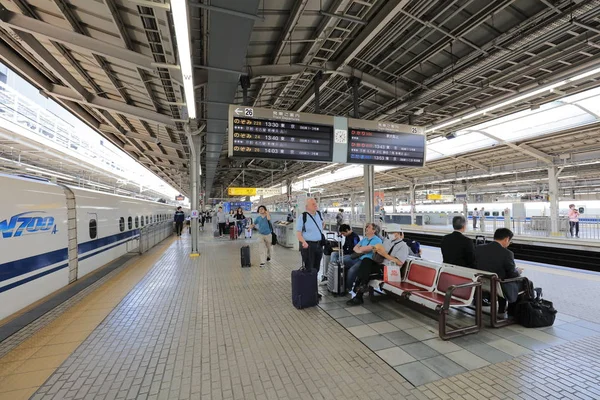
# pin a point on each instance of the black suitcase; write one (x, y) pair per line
(245, 256)
(304, 288)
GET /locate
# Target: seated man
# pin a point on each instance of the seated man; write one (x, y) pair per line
(364, 249)
(351, 240)
(457, 249)
(393, 250)
(495, 257)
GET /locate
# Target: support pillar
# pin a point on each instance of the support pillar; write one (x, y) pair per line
(245, 83)
(369, 170)
(412, 204)
(317, 84)
(553, 194)
(352, 204)
(395, 200)
(196, 142)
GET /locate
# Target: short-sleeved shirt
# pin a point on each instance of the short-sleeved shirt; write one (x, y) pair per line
(399, 249)
(369, 242)
(312, 232)
(263, 225)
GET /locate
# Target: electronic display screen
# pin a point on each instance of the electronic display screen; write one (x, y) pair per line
(391, 148)
(265, 138)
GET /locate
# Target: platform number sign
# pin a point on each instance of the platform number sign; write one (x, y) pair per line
(248, 112)
(413, 130)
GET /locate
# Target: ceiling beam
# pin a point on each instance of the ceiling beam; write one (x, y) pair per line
(523, 148)
(23, 23)
(472, 163)
(95, 101)
(379, 22)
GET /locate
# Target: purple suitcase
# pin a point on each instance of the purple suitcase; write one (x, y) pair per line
(304, 288)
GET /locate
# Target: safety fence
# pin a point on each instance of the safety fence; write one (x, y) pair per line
(152, 234)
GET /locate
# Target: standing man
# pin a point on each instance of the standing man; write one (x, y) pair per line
(339, 219)
(457, 249)
(482, 220)
(475, 216)
(265, 234)
(309, 231)
(221, 220)
(179, 218)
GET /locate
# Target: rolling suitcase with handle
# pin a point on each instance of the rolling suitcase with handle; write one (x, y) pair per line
(233, 233)
(245, 256)
(336, 277)
(305, 291)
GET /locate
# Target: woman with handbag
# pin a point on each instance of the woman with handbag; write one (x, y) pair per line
(265, 237)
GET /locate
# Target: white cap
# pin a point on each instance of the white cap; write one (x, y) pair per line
(393, 228)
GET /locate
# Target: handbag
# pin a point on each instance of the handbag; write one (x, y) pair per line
(354, 256)
(273, 235)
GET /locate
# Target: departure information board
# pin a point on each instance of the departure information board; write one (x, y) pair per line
(383, 143)
(266, 133)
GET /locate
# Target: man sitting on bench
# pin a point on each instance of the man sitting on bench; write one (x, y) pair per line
(495, 257)
(393, 250)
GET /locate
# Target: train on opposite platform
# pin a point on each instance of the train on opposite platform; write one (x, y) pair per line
(52, 234)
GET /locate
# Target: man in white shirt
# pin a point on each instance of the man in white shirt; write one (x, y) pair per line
(393, 250)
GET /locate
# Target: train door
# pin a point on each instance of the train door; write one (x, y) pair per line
(72, 234)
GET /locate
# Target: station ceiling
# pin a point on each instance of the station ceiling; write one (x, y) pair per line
(421, 62)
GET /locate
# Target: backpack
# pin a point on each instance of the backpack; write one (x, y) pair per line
(414, 246)
(304, 216)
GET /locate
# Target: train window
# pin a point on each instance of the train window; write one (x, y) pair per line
(503, 213)
(142, 218)
(470, 213)
(147, 220)
(93, 229)
(137, 222)
(121, 224)
(487, 213)
(130, 223)
(495, 213)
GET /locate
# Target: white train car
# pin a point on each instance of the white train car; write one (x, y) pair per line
(52, 235)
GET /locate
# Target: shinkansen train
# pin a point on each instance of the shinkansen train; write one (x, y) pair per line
(52, 235)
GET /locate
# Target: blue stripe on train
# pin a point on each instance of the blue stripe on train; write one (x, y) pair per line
(16, 268)
(95, 244)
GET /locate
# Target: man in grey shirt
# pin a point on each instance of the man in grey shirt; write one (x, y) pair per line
(221, 220)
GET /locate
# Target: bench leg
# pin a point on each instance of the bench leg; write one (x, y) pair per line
(446, 334)
(495, 322)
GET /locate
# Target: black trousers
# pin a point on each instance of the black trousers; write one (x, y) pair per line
(178, 227)
(221, 228)
(311, 257)
(573, 224)
(366, 268)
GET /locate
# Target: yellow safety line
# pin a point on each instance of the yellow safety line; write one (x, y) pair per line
(24, 369)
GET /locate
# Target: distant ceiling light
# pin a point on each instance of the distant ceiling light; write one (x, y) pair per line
(451, 135)
(420, 111)
(181, 22)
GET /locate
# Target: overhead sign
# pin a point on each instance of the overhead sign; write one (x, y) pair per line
(267, 133)
(238, 191)
(434, 196)
(179, 198)
(268, 192)
(383, 143)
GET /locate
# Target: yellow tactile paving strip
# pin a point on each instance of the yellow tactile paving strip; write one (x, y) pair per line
(29, 365)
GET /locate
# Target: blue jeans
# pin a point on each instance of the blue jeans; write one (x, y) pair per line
(350, 267)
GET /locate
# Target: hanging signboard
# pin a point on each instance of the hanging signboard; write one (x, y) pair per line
(267, 133)
(383, 143)
(268, 192)
(238, 191)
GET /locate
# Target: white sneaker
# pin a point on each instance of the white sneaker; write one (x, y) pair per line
(262, 265)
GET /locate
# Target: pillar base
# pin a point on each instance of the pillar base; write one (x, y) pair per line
(194, 254)
(556, 234)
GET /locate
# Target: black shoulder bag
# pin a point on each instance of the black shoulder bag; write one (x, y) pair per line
(273, 235)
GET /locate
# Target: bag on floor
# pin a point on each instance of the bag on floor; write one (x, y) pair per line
(533, 311)
(216, 233)
(304, 288)
(233, 232)
(245, 256)
(248, 233)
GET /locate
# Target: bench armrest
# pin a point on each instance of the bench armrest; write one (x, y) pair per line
(519, 278)
(452, 288)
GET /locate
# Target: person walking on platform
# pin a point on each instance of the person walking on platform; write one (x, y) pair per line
(240, 220)
(221, 220)
(573, 220)
(339, 219)
(457, 249)
(265, 237)
(309, 231)
(179, 218)
(475, 217)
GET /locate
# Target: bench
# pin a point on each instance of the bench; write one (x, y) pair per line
(438, 287)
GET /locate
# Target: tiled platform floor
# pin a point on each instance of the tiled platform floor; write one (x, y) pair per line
(205, 328)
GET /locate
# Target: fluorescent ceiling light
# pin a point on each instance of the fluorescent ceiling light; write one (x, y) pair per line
(181, 22)
(50, 173)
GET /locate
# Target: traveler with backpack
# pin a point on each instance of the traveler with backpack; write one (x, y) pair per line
(309, 231)
(265, 237)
